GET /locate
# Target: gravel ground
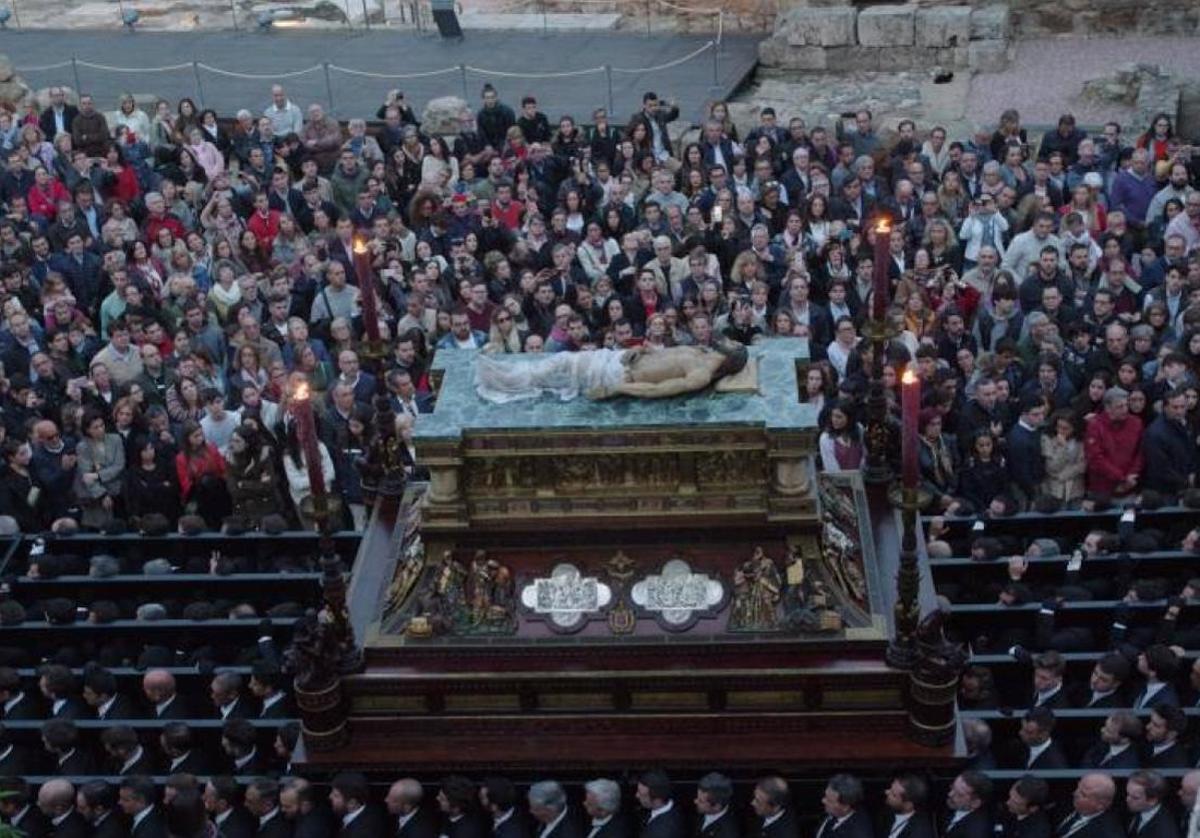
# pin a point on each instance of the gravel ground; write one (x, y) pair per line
(1047, 76)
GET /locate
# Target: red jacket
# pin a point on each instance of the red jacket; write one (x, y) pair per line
(153, 225)
(45, 203)
(190, 470)
(1113, 451)
(264, 229)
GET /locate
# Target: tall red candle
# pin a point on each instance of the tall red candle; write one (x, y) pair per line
(306, 432)
(366, 289)
(881, 292)
(910, 403)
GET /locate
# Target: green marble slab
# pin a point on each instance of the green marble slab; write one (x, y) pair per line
(777, 406)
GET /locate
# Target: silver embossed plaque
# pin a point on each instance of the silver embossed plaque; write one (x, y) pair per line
(677, 592)
(566, 597)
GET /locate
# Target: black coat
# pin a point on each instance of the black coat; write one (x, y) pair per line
(670, 824)
(196, 762)
(77, 764)
(784, 827)
(1051, 759)
(369, 824)
(514, 827)
(282, 709)
(1104, 825)
(726, 826)
(72, 826)
(154, 825)
(176, 711)
(319, 823)
(72, 709)
(121, 709)
(420, 825)
(1097, 757)
(977, 824)
(617, 827)
(1036, 825)
(1175, 756)
(1170, 456)
(858, 825)
(276, 827)
(568, 827)
(239, 824)
(17, 762)
(111, 827)
(142, 767)
(29, 708)
(1162, 825)
(470, 825)
(920, 825)
(33, 824)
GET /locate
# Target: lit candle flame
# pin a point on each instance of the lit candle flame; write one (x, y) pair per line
(909, 377)
(883, 226)
(301, 393)
(360, 245)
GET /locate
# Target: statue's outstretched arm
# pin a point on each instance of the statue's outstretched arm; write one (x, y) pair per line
(697, 379)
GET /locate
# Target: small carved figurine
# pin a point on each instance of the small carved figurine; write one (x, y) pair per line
(757, 589)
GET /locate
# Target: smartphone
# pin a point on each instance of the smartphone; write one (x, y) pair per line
(718, 214)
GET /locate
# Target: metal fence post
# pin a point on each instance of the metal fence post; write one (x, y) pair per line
(366, 16)
(199, 88)
(462, 68)
(16, 14)
(608, 77)
(75, 73)
(545, 27)
(329, 87)
(648, 2)
(233, 13)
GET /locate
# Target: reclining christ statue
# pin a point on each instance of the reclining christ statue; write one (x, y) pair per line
(645, 372)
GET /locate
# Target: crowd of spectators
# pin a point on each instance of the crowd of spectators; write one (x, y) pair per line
(170, 278)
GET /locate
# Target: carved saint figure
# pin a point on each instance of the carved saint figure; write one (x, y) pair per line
(757, 588)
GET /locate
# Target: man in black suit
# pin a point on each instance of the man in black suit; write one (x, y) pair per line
(1188, 788)
(100, 693)
(498, 797)
(267, 683)
(59, 116)
(772, 803)
(457, 800)
(1106, 687)
(137, 800)
(906, 799)
(968, 800)
(58, 685)
(548, 806)
(56, 799)
(18, 810)
(602, 802)
(349, 797)
(15, 703)
(15, 760)
(60, 737)
(159, 687)
(842, 801)
(239, 741)
(97, 802)
(1038, 750)
(180, 751)
(223, 802)
(1048, 670)
(1120, 739)
(1024, 816)
(661, 818)
(1164, 731)
(304, 811)
(126, 755)
(1092, 816)
(404, 805)
(1145, 794)
(714, 793)
(228, 699)
(262, 802)
(1158, 664)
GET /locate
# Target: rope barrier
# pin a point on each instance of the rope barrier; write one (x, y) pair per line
(637, 70)
(370, 75)
(168, 69)
(260, 76)
(566, 74)
(58, 66)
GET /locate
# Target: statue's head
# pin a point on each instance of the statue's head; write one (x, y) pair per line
(735, 358)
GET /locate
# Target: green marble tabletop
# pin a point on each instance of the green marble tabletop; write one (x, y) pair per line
(777, 406)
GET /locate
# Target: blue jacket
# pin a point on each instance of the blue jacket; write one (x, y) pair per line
(448, 341)
(1026, 467)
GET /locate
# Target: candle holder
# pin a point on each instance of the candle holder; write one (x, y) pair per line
(879, 435)
(902, 651)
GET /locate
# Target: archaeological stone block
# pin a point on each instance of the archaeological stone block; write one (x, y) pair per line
(853, 59)
(943, 26)
(887, 26)
(988, 56)
(990, 23)
(817, 27)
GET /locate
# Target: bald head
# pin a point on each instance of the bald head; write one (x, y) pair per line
(158, 685)
(56, 797)
(404, 796)
(1094, 794)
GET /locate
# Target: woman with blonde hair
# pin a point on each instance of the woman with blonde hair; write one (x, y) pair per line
(129, 115)
(504, 338)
